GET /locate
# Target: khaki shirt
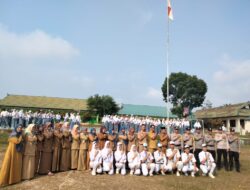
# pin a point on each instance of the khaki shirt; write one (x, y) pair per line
(152, 143)
(84, 141)
(221, 141)
(234, 143)
(210, 141)
(198, 140)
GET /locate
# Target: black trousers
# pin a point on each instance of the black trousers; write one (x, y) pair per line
(196, 155)
(213, 153)
(234, 158)
(220, 153)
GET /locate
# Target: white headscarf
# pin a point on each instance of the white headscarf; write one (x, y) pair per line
(28, 130)
(106, 150)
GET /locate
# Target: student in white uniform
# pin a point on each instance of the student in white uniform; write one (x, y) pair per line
(207, 162)
(147, 165)
(107, 158)
(134, 162)
(160, 160)
(173, 156)
(120, 159)
(189, 162)
(95, 159)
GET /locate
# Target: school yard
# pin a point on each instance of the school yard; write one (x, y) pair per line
(76, 180)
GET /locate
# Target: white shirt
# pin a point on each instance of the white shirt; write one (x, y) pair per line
(120, 156)
(176, 156)
(160, 157)
(136, 160)
(208, 155)
(185, 156)
(147, 155)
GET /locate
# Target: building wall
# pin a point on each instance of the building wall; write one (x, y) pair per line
(247, 126)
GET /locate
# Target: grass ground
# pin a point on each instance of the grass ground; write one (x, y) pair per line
(83, 180)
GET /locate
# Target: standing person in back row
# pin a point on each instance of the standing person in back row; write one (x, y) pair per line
(176, 138)
(209, 140)
(222, 148)
(152, 139)
(142, 138)
(198, 141)
(234, 150)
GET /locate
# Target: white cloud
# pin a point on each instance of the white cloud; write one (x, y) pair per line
(231, 82)
(154, 93)
(34, 45)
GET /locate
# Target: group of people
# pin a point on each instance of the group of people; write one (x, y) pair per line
(127, 122)
(12, 118)
(43, 149)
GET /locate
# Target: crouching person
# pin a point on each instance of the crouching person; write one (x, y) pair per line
(120, 159)
(107, 158)
(160, 160)
(134, 161)
(173, 156)
(147, 159)
(189, 162)
(207, 162)
(95, 159)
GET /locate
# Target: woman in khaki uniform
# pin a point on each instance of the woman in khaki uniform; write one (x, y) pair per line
(112, 138)
(102, 137)
(39, 148)
(84, 139)
(92, 138)
(57, 148)
(11, 169)
(66, 148)
(132, 139)
(46, 158)
(75, 147)
(28, 171)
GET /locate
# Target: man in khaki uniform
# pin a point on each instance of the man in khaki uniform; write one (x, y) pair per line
(222, 148)
(176, 138)
(234, 150)
(210, 142)
(152, 139)
(188, 139)
(198, 141)
(142, 137)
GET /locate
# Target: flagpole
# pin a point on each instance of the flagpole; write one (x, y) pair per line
(167, 67)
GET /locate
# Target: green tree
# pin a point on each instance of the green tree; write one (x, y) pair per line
(184, 91)
(102, 105)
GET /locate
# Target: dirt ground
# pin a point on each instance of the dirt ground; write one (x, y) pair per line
(83, 180)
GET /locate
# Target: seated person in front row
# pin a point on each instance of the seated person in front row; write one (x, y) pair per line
(189, 162)
(107, 157)
(134, 162)
(147, 165)
(160, 160)
(207, 162)
(173, 156)
(120, 159)
(95, 159)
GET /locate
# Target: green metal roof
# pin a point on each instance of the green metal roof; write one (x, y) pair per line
(144, 110)
(43, 102)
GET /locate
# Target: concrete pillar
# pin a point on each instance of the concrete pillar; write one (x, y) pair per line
(228, 125)
(237, 127)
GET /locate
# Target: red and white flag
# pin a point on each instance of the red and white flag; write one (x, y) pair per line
(170, 12)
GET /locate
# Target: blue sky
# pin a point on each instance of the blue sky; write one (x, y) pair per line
(118, 47)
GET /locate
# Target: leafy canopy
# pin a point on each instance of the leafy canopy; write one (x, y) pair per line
(102, 105)
(184, 91)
